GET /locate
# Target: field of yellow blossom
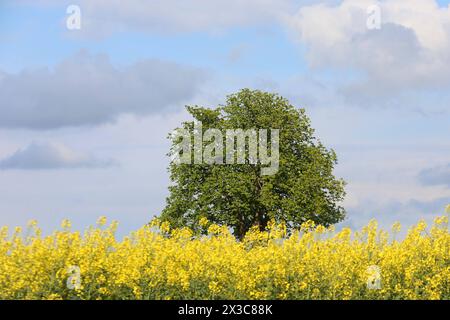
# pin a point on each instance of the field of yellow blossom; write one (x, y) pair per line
(156, 262)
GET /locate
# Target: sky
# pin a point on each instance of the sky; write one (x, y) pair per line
(85, 112)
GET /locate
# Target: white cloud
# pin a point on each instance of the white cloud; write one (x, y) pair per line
(50, 156)
(102, 17)
(410, 52)
(89, 90)
(181, 15)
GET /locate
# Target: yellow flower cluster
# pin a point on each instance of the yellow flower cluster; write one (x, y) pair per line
(157, 262)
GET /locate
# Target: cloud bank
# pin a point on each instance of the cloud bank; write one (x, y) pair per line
(89, 90)
(405, 64)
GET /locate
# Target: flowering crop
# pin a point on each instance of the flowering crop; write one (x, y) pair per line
(156, 262)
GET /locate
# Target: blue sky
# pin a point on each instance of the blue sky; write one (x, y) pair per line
(76, 144)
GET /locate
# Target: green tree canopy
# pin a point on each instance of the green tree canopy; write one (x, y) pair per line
(239, 195)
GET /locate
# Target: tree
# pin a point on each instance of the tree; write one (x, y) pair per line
(240, 195)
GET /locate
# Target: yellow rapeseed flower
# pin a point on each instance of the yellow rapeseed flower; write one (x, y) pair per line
(159, 262)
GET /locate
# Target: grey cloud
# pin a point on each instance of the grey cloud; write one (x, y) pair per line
(386, 54)
(394, 70)
(89, 90)
(439, 175)
(50, 156)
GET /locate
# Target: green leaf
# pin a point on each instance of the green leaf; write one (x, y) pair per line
(238, 195)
